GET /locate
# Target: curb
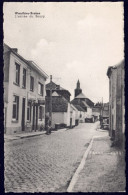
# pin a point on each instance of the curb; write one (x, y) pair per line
(31, 135)
(22, 137)
(81, 166)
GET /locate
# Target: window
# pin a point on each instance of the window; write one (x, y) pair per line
(40, 88)
(15, 109)
(17, 76)
(29, 111)
(41, 112)
(31, 83)
(24, 78)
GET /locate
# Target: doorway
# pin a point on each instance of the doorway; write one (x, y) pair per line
(35, 117)
(23, 115)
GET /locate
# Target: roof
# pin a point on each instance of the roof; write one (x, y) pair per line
(54, 86)
(114, 67)
(89, 102)
(29, 63)
(37, 68)
(51, 85)
(81, 95)
(73, 107)
(79, 108)
(84, 102)
(59, 104)
(55, 94)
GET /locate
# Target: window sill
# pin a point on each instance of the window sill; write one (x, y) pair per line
(14, 121)
(31, 90)
(16, 84)
(23, 87)
(40, 94)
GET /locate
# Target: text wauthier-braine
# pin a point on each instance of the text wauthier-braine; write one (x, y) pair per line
(28, 14)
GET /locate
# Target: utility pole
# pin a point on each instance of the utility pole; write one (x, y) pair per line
(50, 108)
(50, 102)
(102, 106)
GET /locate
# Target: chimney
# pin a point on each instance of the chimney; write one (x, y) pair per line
(15, 50)
(57, 86)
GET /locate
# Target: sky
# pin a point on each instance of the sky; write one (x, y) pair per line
(70, 41)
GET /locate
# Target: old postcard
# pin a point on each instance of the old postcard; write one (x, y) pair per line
(64, 102)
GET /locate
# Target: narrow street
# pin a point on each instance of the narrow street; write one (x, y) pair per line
(46, 163)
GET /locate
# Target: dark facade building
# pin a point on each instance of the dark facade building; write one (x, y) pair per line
(116, 103)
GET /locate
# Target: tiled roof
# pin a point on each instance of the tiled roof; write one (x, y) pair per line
(85, 104)
(81, 95)
(59, 104)
(73, 107)
(53, 86)
(89, 102)
(78, 102)
(79, 108)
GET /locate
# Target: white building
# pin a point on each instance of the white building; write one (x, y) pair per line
(24, 93)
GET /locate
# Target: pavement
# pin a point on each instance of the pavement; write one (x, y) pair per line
(103, 168)
(48, 163)
(27, 134)
(45, 163)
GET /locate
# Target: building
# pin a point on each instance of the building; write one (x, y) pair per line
(79, 114)
(24, 93)
(116, 103)
(73, 115)
(61, 107)
(96, 112)
(84, 102)
(105, 110)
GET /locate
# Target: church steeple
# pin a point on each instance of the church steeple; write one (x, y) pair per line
(78, 84)
(78, 90)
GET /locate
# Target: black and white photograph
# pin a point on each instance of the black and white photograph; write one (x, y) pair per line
(64, 97)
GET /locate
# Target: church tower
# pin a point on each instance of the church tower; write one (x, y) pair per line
(78, 90)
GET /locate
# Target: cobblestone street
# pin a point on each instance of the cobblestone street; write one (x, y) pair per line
(46, 163)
